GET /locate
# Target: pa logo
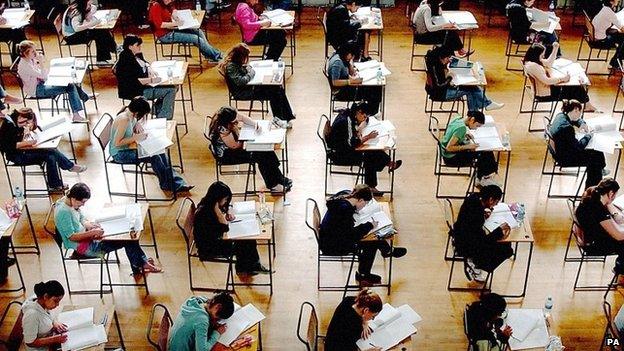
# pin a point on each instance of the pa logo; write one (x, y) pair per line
(612, 341)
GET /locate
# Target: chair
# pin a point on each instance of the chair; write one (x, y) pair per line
(415, 41)
(250, 173)
(611, 331)
(586, 254)
(529, 85)
(323, 129)
(251, 54)
(160, 344)
(219, 7)
(322, 19)
(184, 50)
(550, 149)
(515, 49)
(449, 218)
(28, 171)
(264, 104)
(312, 336)
(54, 101)
(471, 341)
(62, 40)
(313, 221)
(441, 169)
(185, 219)
(620, 91)
(593, 44)
(430, 102)
(15, 338)
(334, 91)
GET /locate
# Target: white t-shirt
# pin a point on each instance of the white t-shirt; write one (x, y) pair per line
(36, 323)
(603, 21)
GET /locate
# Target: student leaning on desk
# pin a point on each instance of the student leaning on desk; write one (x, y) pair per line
(254, 32)
(16, 142)
(342, 28)
(430, 33)
(520, 26)
(197, 326)
(485, 325)
(40, 330)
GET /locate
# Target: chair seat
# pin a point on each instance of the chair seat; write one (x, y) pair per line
(544, 98)
(597, 44)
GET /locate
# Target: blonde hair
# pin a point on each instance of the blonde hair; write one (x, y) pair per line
(24, 46)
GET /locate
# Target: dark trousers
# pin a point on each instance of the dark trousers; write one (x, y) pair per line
(277, 98)
(491, 255)
(370, 94)
(246, 252)
(486, 162)
(593, 160)
(449, 38)
(366, 254)
(575, 92)
(274, 38)
(373, 162)
(104, 42)
(617, 39)
(4, 254)
(267, 161)
(608, 246)
(137, 9)
(14, 37)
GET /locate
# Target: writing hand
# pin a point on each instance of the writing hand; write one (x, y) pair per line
(242, 342)
(59, 339)
(372, 135)
(230, 217)
(221, 328)
(472, 146)
(96, 234)
(59, 327)
(506, 229)
(374, 223)
(366, 332)
(507, 331)
(488, 213)
(140, 137)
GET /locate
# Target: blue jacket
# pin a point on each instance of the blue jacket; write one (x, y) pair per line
(191, 329)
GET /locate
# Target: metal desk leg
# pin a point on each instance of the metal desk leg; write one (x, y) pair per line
(19, 270)
(151, 223)
(179, 151)
(393, 152)
(506, 173)
(617, 164)
(121, 340)
(270, 268)
(390, 268)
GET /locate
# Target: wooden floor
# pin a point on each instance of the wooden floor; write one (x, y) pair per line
(420, 277)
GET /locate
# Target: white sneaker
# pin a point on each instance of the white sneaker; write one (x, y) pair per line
(605, 172)
(106, 62)
(280, 122)
(485, 181)
(289, 125)
(479, 275)
(78, 169)
(494, 106)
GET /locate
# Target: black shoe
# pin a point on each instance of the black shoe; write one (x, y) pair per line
(397, 164)
(288, 183)
(10, 261)
(260, 269)
(248, 273)
(364, 58)
(396, 252)
(185, 188)
(367, 278)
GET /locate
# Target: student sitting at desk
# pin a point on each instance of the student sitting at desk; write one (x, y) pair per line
(520, 26)
(40, 329)
(570, 151)
(482, 250)
(346, 136)
(238, 73)
(197, 327)
(539, 68)
(134, 76)
(485, 325)
(439, 82)
(604, 33)
(16, 139)
(33, 71)
(85, 237)
(253, 32)
(126, 131)
(224, 143)
(346, 85)
(342, 28)
(458, 148)
(211, 222)
(429, 33)
(339, 235)
(77, 23)
(350, 321)
(162, 17)
(601, 222)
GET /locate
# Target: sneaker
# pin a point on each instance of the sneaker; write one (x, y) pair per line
(288, 183)
(396, 252)
(479, 276)
(485, 181)
(280, 123)
(605, 172)
(185, 188)
(247, 273)
(289, 125)
(143, 26)
(367, 279)
(78, 118)
(78, 169)
(494, 106)
(59, 189)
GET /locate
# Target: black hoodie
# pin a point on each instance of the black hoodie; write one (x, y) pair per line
(338, 233)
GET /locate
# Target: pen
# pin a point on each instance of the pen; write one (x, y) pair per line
(104, 319)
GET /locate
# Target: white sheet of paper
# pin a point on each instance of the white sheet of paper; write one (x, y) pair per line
(85, 337)
(56, 131)
(244, 225)
(77, 319)
(501, 214)
(5, 221)
(538, 335)
(388, 336)
(262, 68)
(244, 207)
(242, 319)
(463, 19)
(368, 70)
(186, 20)
(279, 17)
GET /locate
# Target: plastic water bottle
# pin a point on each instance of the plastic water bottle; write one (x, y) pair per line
(552, 6)
(548, 305)
(170, 73)
(198, 6)
(379, 75)
(19, 197)
(74, 75)
(505, 140)
(27, 5)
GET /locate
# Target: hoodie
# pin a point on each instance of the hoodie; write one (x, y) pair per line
(338, 233)
(191, 329)
(36, 323)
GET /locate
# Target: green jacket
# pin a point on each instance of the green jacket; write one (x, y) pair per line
(191, 329)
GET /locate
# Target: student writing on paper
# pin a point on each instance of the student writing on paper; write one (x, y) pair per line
(350, 321)
(345, 83)
(237, 72)
(540, 70)
(342, 28)
(16, 139)
(85, 237)
(254, 33)
(435, 34)
(604, 32)
(572, 152)
(225, 145)
(77, 28)
(32, 68)
(485, 325)
(127, 131)
(340, 236)
(212, 217)
(40, 330)
(439, 85)
(134, 77)
(458, 148)
(197, 327)
(482, 250)
(346, 135)
(11, 35)
(520, 26)
(601, 223)
(163, 20)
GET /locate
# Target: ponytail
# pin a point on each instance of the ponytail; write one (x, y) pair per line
(593, 193)
(52, 288)
(569, 106)
(369, 299)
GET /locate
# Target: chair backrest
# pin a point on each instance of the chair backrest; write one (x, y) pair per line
(15, 338)
(589, 27)
(163, 328)
(577, 231)
(321, 17)
(185, 219)
(449, 213)
(466, 330)
(611, 329)
(50, 227)
(313, 217)
(322, 131)
(102, 130)
(312, 334)
(437, 135)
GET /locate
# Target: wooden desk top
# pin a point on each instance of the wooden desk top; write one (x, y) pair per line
(276, 26)
(99, 311)
(255, 334)
(176, 81)
(64, 81)
(266, 230)
(406, 345)
(114, 13)
(385, 207)
(131, 235)
(368, 21)
(197, 15)
(522, 234)
(27, 16)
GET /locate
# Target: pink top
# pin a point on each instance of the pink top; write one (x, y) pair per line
(31, 73)
(248, 21)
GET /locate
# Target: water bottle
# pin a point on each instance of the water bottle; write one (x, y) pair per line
(379, 75)
(505, 140)
(552, 6)
(262, 199)
(74, 75)
(198, 6)
(19, 197)
(548, 305)
(170, 73)
(27, 5)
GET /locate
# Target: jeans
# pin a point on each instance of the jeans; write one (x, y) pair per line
(575, 92)
(449, 38)
(592, 159)
(267, 161)
(474, 95)
(160, 165)
(195, 37)
(274, 38)
(104, 42)
(135, 253)
(164, 100)
(4, 255)
(617, 39)
(53, 159)
(74, 92)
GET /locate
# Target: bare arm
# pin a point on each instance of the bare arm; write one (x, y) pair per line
(614, 229)
(230, 141)
(121, 126)
(454, 145)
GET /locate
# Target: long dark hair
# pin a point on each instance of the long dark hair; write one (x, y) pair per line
(238, 54)
(369, 299)
(435, 7)
(138, 105)
(492, 305)
(216, 192)
(52, 288)
(78, 7)
(224, 117)
(569, 106)
(593, 193)
(534, 53)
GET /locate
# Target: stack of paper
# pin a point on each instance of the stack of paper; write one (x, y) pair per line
(487, 137)
(462, 19)
(279, 17)
(157, 141)
(463, 76)
(82, 333)
(120, 219)
(619, 202)
(373, 212)
(385, 132)
(245, 222)
(242, 319)
(266, 68)
(52, 127)
(368, 70)
(501, 214)
(161, 69)
(262, 139)
(16, 17)
(529, 329)
(606, 134)
(562, 67)
(185, 19)
(5, 221)
(390, 327)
